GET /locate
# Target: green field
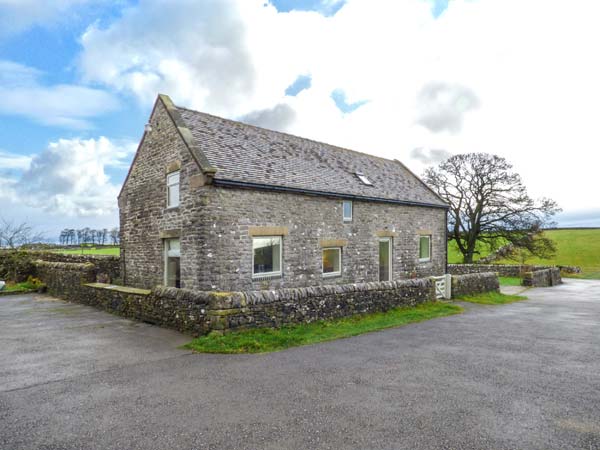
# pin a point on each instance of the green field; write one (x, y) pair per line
(573, 248)
(114, 251)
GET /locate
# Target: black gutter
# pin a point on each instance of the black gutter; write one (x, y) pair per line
(268, 187)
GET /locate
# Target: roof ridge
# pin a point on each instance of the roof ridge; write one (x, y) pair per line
(335, 147)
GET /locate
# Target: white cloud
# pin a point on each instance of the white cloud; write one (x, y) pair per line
(69, 177)
(13, 161)
(531, 92)
(64, 105)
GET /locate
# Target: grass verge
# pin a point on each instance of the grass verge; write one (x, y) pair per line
(30, 285)
(509, 281)
(263, 340)
(492, 298)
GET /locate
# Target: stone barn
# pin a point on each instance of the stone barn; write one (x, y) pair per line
(214, 204)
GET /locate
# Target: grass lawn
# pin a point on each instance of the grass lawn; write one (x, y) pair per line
(263, 340)
(510, 281)
(114, 251)
(573, 248)
(492, 298)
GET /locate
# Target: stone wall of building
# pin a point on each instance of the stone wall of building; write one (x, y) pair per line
(144, 216)
(474, 283)
(542, 278)
(307, 224)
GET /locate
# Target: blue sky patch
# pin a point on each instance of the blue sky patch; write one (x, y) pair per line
(301, 83)
(327, 8)
(339, 97)
(438, 7)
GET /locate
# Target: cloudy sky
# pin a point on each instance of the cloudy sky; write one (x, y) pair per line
(416, 80)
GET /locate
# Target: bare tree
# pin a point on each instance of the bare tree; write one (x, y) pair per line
(489, 204)
(13, 235)
(114, 236)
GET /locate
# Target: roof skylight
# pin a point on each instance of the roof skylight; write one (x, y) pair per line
(362, 177)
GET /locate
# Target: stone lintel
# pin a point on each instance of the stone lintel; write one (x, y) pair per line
(424, 232)
(333, 242)
(173, 166)
(267, 231)
(386, 233)
(170, 234)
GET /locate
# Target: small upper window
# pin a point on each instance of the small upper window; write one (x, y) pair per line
(424, 248)
(332, 262)
(347, 206)
(362, 177)
(173, 189)
(266, 256)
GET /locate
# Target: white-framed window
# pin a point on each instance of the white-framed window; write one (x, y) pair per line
(424, 248)
(173, 189)
(172, 263)
(266, 256)
(347, 210)
(332, 261)
(385, 259)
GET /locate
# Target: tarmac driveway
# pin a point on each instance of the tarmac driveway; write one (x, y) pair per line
(520, 376)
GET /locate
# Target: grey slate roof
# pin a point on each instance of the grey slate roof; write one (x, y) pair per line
(248, 154)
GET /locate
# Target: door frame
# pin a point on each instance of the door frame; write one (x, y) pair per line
(389, 241)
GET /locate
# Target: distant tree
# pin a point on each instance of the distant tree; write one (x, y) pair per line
(114, 236)
(489, 204)
(13, 234)
(103, 235)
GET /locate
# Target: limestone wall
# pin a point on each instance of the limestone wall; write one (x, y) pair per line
(542, 278)
(474, 283)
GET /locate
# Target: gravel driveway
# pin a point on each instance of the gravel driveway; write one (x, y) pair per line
(519, 376)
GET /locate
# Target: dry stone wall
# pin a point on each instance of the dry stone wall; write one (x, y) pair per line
(18, 265)
(542, 278)
(474, 283)
(198, 312)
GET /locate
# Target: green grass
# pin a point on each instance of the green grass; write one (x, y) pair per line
(114, 251)
(509, 281)
(25, 286)
(262, 340)
(573, 248)
(492, 298)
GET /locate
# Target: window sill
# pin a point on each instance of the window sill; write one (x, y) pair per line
(424, 261)
(332, 275)
(266, 276)
(171, 209)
